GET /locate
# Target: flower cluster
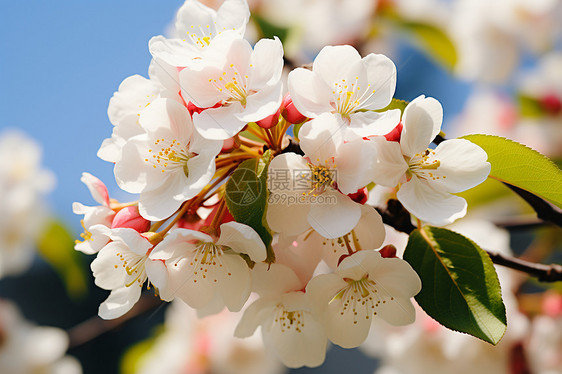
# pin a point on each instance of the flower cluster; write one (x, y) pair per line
(24, 184)
(212, 103)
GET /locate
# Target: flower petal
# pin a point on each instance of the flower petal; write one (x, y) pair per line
(242, 239)
(287, 209)
(166, 118)
(178, 243)
(233, 14)
(354, 163)
(430, 205)
(132, 173)
(132, 239)
(274, 279)
(107, 266)
(175, 52)
(266, 64)
(119, 302)
(334, 214)
(346, 328)
(162, 202)
(321, 137)
(463, 165)
(397, 312)
(262, 104)
(157, 274)
(97, 188)
(233, 282)
(310, 94)
(381, 73)
(219, 123)
(333, 61)
(295, 348)
(374, 123)
(422, 122)
(390, 165)
(255, 315)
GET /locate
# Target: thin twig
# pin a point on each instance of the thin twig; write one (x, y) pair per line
(545, 210)
(544, 273)
(95, 326)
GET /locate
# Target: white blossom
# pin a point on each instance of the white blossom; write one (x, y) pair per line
(288, 325)
(344, 83)
(195, 27)
(209, 272)
(24, 183)
(310, 191)
(123, 266)
(245, 82)
(97, 219)
(167, 165)
(30, 349)
(364, 286)
(427, 177)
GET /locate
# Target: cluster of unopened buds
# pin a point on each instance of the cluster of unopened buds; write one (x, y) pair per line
(212, 102)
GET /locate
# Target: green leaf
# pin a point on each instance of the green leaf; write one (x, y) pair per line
(56, 246)
(246, 197)
(395, 104)
(269, 30)
(520, 166)
(460, 287)
(485, 193)
(434, 40)
(529, 106)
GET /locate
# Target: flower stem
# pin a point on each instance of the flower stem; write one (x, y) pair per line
(256, 133)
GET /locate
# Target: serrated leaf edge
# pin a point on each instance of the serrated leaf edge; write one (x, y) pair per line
(425, 236)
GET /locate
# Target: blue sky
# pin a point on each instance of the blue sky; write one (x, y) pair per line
(61, 61)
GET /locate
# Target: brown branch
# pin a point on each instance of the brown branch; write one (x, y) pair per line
(544, 273)
(521, 223)
(545, 210)
(95, 326)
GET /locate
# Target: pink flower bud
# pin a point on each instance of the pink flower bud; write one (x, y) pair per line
(230, 144)
(360, 196)
(130, 217)
(394, 135)
(227, 217)
(388, 251)
(269, 121)
(289, 112)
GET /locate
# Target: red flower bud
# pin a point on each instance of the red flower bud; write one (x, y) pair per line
(388, 251)
(269, 121)
(130, 217)
(360, 196)
(227, 217)
(290, 112)
(551, 104)
(394, 135)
